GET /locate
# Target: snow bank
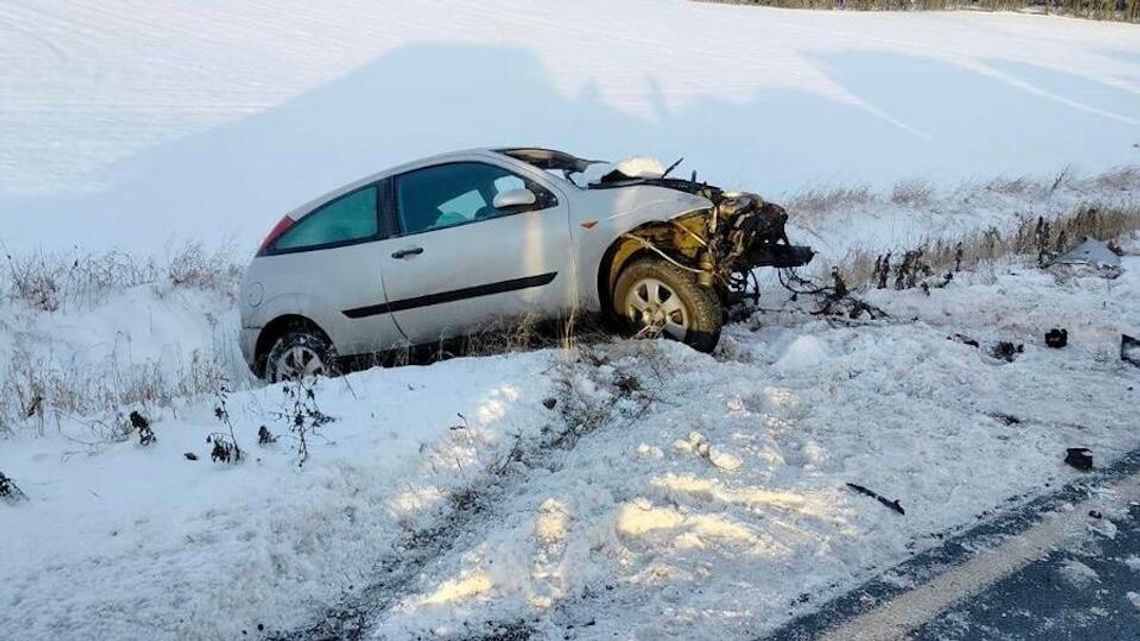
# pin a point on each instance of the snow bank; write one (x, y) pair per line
(119, 541)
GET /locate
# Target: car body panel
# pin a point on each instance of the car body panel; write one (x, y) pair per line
(600, 216)
(316, 285)
(511, 265)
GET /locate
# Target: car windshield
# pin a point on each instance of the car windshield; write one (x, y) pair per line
(559, 163)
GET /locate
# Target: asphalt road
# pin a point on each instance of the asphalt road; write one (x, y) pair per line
(1064, 565)
(1089, 590)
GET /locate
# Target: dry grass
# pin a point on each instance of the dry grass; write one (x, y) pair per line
(816, 202)
(80, 280)
(912, 193)
(47, 376)
(1125, 11)
(1121, 179)
(530, 333)
(193, 267)
(983, 247)
(38, 392)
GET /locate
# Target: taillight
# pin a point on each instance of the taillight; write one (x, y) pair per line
(280, 228)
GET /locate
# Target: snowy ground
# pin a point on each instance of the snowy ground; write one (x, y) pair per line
(130, 122)
(705, 497)
(667, 494)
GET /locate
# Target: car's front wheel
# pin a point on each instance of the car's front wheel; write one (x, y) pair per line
(657, 298)
(297, 354)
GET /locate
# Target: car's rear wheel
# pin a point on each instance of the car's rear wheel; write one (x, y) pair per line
(657, 298)
(297, 354)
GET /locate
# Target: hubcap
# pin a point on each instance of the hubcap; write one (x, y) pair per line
(656, 308)
(298, 362)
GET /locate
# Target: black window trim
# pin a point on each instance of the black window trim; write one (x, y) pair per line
(385, 228)
(398, 232)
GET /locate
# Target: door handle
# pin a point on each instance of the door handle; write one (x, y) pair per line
(407, 251)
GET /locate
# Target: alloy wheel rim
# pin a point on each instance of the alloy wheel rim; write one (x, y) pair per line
(652, 305)
(299, 361)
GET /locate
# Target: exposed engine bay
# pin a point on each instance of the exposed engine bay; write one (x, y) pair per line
(725, 243)
(721, 244)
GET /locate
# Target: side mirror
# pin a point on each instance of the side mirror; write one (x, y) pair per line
(514, 198)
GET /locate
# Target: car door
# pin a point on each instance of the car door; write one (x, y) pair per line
(329, 264)
(459, 263)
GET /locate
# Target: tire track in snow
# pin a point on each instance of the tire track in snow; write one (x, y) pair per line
(473, 509)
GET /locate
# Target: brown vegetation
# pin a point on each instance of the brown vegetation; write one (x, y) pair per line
(1122, 10)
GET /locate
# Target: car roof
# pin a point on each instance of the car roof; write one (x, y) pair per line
(463, 154)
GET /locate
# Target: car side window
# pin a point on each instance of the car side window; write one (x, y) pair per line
(458, 193)
(351, 217)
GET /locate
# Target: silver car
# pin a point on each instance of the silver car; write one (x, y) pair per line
(444, 246)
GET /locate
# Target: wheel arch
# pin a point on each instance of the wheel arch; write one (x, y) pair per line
(276, 328)
(624, 250)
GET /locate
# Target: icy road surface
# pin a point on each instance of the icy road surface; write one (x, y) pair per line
(130, 122)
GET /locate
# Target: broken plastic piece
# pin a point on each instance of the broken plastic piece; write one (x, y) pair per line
(1057, 338)
(965, 340)
(1130, 350)
(894, 505)
(1079, 458)
(1090, 252)
(1006, 350)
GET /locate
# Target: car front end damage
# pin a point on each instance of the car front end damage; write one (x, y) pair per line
(721, 244)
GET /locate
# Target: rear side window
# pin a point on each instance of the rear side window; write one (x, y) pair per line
(350, 218)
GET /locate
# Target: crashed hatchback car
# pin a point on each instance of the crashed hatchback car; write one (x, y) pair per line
(444, 246)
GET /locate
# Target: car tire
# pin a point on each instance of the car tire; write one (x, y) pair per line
(654, 293)
(299, 353)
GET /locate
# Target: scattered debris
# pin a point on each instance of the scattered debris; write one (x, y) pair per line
(549, 403)
(1057, 338)
(1079, 458)
(9, 491)
(264, 436)
(894, 505)
(142, 425)
(190, 456)
(1008, 419)
(1130, 349)
(1090, 252)
(1006, 350)
(965, 340)
(1096, 514)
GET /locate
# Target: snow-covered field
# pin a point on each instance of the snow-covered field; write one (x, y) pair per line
(665, 493)
(133, 121)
